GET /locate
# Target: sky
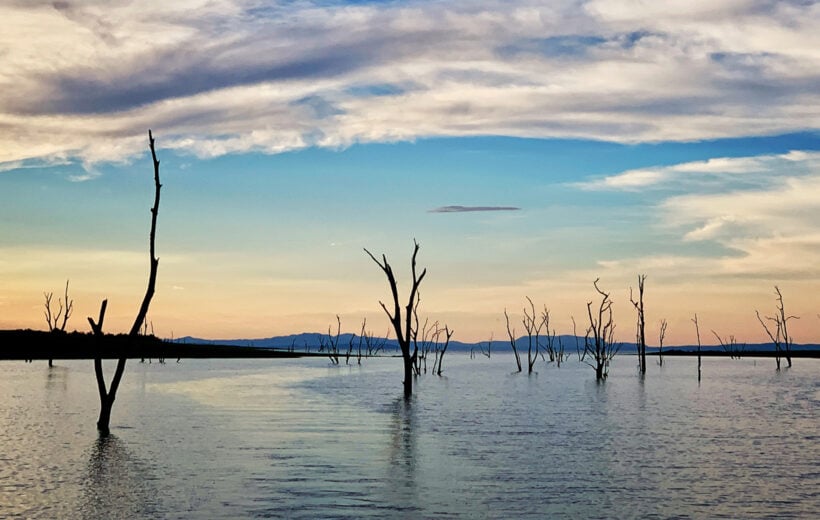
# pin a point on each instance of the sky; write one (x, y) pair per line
(529, 147)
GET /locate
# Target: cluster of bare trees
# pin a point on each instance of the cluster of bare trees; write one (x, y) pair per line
(429, 338)
(780, 335)
(66, 308)
(540, 338)
(599, 341)
(416, 341)
(362, 345)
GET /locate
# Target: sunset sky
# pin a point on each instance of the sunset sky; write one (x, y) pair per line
(530, 147)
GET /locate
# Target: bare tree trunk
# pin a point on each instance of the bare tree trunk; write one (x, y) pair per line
(599, 339)
(403, 327)
(511, 334)
(107, 397)
(661, 336)
(641, 325)
(447, 335)
(697, 332)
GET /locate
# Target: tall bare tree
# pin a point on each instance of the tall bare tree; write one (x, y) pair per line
(640, 336)
(599, 341)
(403, 326)
(107, 395)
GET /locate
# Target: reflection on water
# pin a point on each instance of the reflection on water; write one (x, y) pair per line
(400, 486)
(117, 484)
(300, 439)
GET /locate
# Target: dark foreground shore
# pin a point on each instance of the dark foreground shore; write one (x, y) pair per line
(33, 344)
(799, 353)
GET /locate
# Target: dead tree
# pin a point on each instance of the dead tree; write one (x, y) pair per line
(511, 334)
(447, 335)
(331, 344)
(373, 344)
(489, 351)
(731, 346)
(661, 335)
(640, 337)
(108, 395)
(53, 320)
(780, 338)
(599, 342)
(580, 352)
(425, 340)
(533, 325)
(697, 332)
(486, 353)
(403, 327)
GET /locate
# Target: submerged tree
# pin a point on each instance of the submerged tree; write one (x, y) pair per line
(330, 344)
(403, 326)
(661, 336)
(108, 395)
(697, 332)
(731, 346)
(533, 325)
(511, 335)
(781, 339)
(599, 342)
(640, 335)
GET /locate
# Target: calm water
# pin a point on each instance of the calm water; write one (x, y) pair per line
(301, 439)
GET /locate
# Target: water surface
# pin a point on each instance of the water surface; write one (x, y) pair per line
(303, 439)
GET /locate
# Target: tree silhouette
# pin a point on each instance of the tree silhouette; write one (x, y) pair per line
(403, 326)
(697, 332)
(511, 335)
(640, 336)
(781, 339)
(599, 342)
(108, 395)
(53, 319)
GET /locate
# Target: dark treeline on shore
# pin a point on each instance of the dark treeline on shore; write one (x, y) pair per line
(34, 344)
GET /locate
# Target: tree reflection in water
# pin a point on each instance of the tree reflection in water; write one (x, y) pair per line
(402, 488)
(117, 484)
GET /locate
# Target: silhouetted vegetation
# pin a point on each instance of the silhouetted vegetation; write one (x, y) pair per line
(599, 341)
(108, 395)
(403, 327)
(731, 346)
(511, 335)
(640, 335)
(66, 307)
(780, 338)
(697, 333)
(661, 336)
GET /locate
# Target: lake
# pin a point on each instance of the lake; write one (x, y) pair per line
(303, 439)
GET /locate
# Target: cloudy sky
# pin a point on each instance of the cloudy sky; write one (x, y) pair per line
(529, 146)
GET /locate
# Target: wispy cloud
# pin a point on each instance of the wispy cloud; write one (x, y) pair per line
(467, 209)
(761, 169)
(218, 77)
(758, 218)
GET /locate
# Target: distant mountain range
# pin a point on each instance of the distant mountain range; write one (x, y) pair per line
(311, 341)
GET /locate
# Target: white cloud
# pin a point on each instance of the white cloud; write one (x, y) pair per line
(725, 171)
(754, 216)
(88, 80)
